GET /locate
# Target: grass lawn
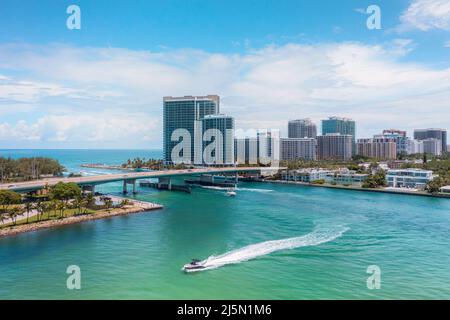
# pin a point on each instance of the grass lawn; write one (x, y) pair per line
(52, 215)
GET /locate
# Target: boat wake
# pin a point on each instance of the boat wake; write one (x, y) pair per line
(214, 188)
(254, 190)
(318, 236)
(238, 189)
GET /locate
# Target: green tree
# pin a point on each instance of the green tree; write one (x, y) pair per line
(28, 208)
(41, 207)
(61, 206)
(375, 180)
(14, 212)
(52, 206)
(108, 203)
(78, 203)
(65, 191)
(435, 185)
(8, 198)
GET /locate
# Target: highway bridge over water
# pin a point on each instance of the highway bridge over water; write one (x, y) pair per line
(89, 182)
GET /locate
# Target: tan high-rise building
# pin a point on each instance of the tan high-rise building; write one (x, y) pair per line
(335, 146)
(377, 148)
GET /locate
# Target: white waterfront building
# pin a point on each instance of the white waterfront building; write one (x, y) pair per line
(409, 178)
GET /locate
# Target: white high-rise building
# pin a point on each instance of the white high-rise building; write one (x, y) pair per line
(414, 146)
(432, 146)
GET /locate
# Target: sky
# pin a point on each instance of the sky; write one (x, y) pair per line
(101, 86)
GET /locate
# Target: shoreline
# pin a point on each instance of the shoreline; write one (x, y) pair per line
(353, 188)
(136, 207)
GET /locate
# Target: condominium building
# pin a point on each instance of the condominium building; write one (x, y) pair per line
(343, 126)
(264, 148)
(246, 150)
(182, 118)
(440, 134)
(218, 140)
(414, 146)
(409, 178)
(302, 128)
(298, 148)
(378, 148)
(335, 146)
(432, 146)
(400, 138)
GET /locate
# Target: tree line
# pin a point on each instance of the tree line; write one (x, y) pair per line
(24, 169)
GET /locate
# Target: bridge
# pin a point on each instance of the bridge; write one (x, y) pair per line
(89, 182)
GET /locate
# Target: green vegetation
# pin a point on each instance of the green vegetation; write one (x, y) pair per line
(440, 167)
(63, 200)
(65, 191)
(24, 169)
(375, 180)
(138, 163)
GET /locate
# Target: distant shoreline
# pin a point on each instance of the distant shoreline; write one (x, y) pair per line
(353, 188)
(136, 207)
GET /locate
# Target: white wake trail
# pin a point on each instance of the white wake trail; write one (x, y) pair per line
(318, 236)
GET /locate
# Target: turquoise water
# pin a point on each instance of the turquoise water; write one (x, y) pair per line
(336, 235)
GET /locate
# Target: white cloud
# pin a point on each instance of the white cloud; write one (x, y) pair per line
(447, 44)
(92, 127)
(425, 15)
(98, 95)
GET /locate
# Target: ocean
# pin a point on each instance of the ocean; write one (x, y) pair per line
(271, 241)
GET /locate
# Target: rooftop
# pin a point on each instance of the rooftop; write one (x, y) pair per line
(213, 97)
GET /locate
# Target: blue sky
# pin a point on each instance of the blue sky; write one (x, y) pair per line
(270, 61)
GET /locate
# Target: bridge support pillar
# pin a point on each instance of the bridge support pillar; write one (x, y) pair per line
(90, 188)
(126, 182)
(124, 190)
(165, 181)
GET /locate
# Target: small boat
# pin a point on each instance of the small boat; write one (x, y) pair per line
(231, 193)
(195, 265)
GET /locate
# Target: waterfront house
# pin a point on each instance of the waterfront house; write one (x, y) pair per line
(311, 175)
(409, 178)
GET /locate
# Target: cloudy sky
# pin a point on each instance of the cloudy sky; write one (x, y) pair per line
(270, 61)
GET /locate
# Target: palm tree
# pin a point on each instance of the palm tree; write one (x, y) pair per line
(108, 203)
(78, 203)
(28, 207)
(3, 216)
(38, 208)
(61, 206)
(52, 206)
(14, 212)
(41, 207)
(90, 199)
